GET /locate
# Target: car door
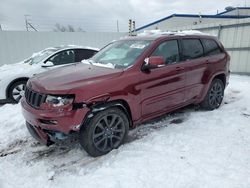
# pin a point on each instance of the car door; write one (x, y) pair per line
(163, 88)
(193, 56)
(81, 54)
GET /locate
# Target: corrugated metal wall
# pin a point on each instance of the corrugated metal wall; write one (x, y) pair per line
(18, 45)
(235, 36)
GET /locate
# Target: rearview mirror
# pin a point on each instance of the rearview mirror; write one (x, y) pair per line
(48, 64)
(153, 62)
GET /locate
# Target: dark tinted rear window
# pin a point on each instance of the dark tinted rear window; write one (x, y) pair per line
(82, 54)
(210, 47)
(191, 49)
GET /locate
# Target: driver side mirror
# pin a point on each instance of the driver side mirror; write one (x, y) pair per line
(153, 62)
(48, 64)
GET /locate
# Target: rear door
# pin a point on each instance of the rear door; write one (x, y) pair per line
(192, 53)
(163, 88)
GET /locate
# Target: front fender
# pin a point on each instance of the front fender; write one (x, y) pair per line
(100, 106)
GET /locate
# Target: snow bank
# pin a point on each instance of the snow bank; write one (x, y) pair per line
(187, 148)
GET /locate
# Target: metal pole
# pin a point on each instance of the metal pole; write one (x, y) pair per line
(26, 22)
(117, 25)
(219, 31)
(32, 26)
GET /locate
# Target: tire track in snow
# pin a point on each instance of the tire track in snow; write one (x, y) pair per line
(33, 152)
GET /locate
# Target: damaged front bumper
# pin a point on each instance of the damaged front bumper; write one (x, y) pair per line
(39, 134)
(49, 126)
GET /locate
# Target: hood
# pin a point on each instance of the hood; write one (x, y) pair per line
(15, 66)
(16, 70)
(64, 79)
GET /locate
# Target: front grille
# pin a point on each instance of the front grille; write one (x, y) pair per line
(33, 98)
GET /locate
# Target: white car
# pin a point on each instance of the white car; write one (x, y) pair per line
(13, 77)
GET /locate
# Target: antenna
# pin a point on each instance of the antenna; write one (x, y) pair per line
(28, 23)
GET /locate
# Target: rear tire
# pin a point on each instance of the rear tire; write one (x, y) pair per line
(16, 91)
(106, 131)
(214, 95)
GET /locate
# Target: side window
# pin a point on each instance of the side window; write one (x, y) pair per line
(82, 54)
(64, 57)
(169, 50)
(210, 47)
(191, 49)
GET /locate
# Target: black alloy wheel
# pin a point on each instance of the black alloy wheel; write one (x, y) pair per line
(214, 95)
(106, 131)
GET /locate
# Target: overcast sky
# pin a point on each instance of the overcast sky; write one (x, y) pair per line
(101, 15)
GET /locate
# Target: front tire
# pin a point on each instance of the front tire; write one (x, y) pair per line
(106, 131)
(214, 95)
(16, 91)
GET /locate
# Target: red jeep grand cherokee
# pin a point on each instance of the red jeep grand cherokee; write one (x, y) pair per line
(128, 82)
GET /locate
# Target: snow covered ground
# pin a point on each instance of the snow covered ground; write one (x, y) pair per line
(186, 148)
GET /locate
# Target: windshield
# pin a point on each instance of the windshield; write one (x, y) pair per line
(120, 54)
(38, 57)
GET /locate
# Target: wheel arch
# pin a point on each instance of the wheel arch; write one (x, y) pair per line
(119, 103)
(12, 82)
(209, 80)
(221, 77)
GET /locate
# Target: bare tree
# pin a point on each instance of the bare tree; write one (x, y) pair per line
(66, 28)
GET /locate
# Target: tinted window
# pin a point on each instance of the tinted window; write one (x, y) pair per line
(64, 57)
(169, 50)
(191, 49)
(210, 47)
(82, 54)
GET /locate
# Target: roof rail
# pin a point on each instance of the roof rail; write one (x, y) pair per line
(160, 32)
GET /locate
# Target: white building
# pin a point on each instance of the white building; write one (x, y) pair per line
(180, 20)
(232, 27)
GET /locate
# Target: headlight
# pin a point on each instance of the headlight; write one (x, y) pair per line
(60, 102)
(57, 101)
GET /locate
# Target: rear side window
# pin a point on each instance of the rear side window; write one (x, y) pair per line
(82, 54)
(191, 49)
(169, 50)
(210, 47)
